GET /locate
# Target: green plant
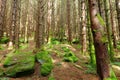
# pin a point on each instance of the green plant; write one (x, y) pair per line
(51, 78)
(91, 69)
(116, 63)
(65, 49)
(4, 78)
(44, 58)
(4, 40)
(46, 69)
(70, 57)
(75, 41)
(54, 41)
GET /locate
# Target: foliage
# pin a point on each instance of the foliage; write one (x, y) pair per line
(1, 48)
(4, 78)
(45, 60)
(4, 40)
(51, 78)
(75, 41)
(21, 40)
(91, 69)
(46, 69)
(54, 41)
(116, 63)
(69, 56)
(100, 20)
(23, 46)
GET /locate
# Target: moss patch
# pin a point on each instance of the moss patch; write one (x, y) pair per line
(18, 63)
(69, 56)
(45, 60)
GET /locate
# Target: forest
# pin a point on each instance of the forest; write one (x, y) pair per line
(59, 39)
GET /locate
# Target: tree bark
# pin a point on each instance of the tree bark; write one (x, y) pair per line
(68, 22)
(102, 60)
(2, 15)
(118, 14)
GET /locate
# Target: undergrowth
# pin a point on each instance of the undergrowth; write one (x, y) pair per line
(44, 58)
(91, 69)
(69, 56)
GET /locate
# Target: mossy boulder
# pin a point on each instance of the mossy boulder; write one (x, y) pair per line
(70, 57)
(46, 69)
(44, 58)
(18, 63)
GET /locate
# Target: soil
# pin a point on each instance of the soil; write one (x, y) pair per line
(62, 70)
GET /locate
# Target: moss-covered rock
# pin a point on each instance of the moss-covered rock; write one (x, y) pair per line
(45, 60)
(70, 57)
(46, 69)
(18, 63)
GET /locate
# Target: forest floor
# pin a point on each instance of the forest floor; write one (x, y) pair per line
(62, 70)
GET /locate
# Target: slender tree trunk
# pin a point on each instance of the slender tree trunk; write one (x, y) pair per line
(118, 14)
(113, 25)
(83, 18)
(14, 32)
(68, 22)
(40, 27)
(108, 26)
(102, 61)
(79, 22)
(2, 16)
(53, 19)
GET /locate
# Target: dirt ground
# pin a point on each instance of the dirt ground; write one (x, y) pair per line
(62, 70)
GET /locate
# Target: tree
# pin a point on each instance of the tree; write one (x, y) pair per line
(2, 16)
(15, 24)
(118, 14)
(40, 24)
(68, 22)
(102, 60)
(84, 34)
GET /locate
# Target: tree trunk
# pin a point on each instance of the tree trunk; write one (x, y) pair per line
(113, 25)
(40, 27)
(118, 14)
(14, 32)
(68, 22)
(83, 18)
(102, 60)
(2, 15)
(108, 26)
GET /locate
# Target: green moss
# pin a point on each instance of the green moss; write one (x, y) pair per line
(44, 58)
(51, 78)
(4, 40)
(100, 20)
(75, 41)
(4, 78)
(18, 63)
(70, 57)
(17, 58)
(54, 41)
(65, 49)
(46, 69)
(12, 71)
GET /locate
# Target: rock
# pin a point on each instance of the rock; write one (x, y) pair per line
(18, 63)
